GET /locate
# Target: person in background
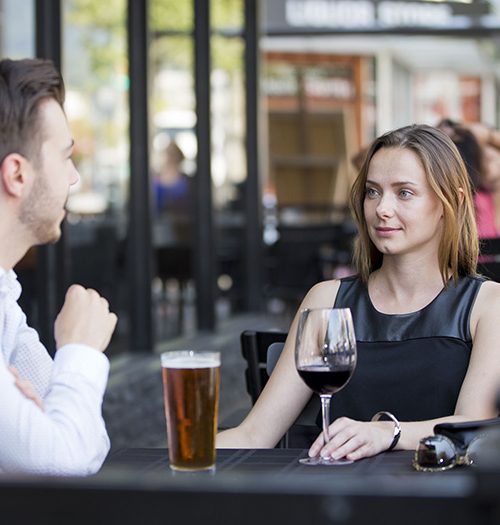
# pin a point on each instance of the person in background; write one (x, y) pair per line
(468, 147)
(488, 198)
(171, 186)
(50, 416)
(483, 166)
(426, 324)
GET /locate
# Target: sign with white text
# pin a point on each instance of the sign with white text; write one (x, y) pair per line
(289, 16)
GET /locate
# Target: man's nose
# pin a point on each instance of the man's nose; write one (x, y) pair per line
(74, 176)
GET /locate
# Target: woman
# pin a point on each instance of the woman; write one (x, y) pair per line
(426, 325)
(487, 198)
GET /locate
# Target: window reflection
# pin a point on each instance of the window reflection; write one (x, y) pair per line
(95, 72)
(16, 29)
(173, 166)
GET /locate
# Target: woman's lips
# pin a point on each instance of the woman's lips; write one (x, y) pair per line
(386, 232)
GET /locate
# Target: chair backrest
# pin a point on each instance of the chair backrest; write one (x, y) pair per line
(262, 351)
(273, 354)
(489, 261)
(254, 346)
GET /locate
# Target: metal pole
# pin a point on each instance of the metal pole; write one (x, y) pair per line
(139, 258)
(51, 259)
(204, 257)
(252, 206)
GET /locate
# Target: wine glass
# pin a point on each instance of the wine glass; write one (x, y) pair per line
(325, 357)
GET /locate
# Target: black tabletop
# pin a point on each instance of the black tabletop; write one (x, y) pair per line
(255, 487)
(273, 462)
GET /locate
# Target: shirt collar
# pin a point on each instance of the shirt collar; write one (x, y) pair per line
(9, 282)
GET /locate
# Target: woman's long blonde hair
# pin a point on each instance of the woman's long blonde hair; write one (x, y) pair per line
(447, 176)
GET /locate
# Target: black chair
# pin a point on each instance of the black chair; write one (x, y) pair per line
(257, 347)
(254, 345)
(489, 261)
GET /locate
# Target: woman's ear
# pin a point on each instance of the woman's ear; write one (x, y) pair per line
(461, 195)
(13, 174)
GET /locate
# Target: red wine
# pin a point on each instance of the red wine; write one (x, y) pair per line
(323, 380)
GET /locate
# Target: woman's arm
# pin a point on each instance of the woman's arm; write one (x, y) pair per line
(285, 394)
(357, 439)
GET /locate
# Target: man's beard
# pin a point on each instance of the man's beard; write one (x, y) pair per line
(36, 213)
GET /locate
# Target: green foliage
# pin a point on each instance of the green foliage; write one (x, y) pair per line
(173, 15)
(109, 15)
(101, 30)
(173, 52)
(227, 53)
(227, 14)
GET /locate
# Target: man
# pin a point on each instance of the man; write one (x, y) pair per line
(56, 426)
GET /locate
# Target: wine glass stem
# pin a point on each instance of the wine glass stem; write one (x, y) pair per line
(325, 413)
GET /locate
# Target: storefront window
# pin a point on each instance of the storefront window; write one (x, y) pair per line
(96, 75)
(229, 168)
(173, 166)
(16, 29)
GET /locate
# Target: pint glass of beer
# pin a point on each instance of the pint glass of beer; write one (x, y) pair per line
(191, 393)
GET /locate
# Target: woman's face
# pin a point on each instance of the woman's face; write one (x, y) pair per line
(491, 171)
(403, 214)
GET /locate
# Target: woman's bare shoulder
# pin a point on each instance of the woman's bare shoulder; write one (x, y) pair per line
(322, 294)
(487, 304)
(489, 291)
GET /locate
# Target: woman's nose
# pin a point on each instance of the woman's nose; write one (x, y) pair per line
(385, 207)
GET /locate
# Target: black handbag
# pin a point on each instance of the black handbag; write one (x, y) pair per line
(464, 432)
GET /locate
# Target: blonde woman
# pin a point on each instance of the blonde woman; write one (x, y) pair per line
(426, 324)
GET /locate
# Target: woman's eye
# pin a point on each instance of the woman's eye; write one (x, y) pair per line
(405, 194)
(371, 193)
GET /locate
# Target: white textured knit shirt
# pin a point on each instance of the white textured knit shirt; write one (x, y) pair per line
(68, 437)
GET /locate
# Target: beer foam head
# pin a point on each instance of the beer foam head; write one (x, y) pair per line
(190, 359)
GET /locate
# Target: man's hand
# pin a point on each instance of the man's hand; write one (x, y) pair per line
(84, 319)
(26, 388)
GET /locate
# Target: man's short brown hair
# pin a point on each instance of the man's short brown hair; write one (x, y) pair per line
(24, 85)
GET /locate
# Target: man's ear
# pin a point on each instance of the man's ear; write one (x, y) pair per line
(14, 174)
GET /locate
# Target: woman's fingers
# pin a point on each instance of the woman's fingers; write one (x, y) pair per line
(352, 439)
(364, 451)
(337, 426)
(316, 446)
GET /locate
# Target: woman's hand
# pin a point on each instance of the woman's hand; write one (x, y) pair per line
(354, 439)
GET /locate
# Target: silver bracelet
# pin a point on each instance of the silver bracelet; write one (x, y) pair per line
(397, 426)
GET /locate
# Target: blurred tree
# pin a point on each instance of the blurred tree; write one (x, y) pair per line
(101, 27)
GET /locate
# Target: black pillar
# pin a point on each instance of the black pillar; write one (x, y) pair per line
(52, 260)
(204, 258)
(252, 206)
(139, 260)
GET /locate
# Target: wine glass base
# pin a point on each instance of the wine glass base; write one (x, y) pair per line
(319, 461)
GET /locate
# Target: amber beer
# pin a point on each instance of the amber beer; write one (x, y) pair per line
(191, 394)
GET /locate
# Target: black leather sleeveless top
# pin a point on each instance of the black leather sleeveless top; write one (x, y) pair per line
(412, 365)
